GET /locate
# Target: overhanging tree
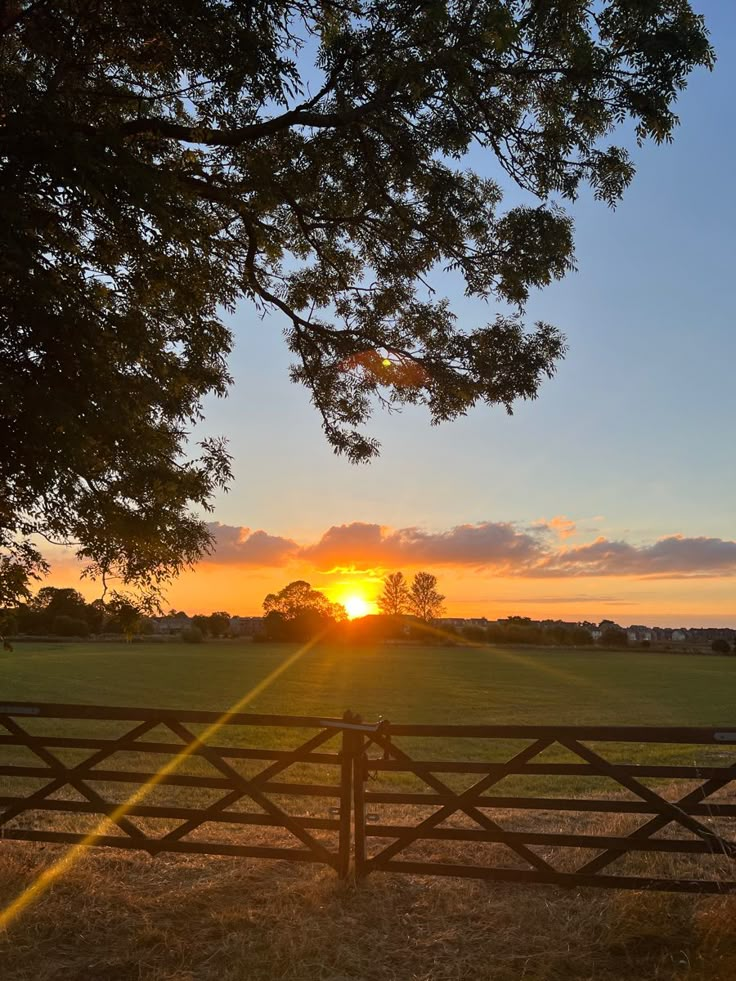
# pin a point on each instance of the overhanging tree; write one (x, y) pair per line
(159, 161)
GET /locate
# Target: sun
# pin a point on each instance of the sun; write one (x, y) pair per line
(356, 606)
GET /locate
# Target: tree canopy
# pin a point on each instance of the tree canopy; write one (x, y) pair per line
(299, 612)
(425, 601)
(298, 598)
(160, 161)
(394, 598)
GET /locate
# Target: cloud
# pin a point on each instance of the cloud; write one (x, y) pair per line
(562, 526)
(238, 545)
(483, 545)
(566, 600)
(501, 547)
(674, 556)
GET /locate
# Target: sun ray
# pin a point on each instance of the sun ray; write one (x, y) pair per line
(47, 878)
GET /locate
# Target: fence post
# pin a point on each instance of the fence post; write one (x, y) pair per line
(346, 795)
(359, 778)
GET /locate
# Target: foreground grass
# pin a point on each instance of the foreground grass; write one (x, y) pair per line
(206, 919)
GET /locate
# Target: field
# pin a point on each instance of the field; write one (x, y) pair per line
(124, 917)
(404, 684)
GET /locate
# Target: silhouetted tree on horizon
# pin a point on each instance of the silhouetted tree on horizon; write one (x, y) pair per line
(298, 612)
(425, 602)
(394, 600)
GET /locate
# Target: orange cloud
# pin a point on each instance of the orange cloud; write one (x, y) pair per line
(562, 526)
(502, 547)
(241, 546)
(487, 544)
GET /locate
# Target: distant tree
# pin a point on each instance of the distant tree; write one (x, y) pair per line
(66, 626)
(720, 646)
(219, 624)
(425, 602)
(394, 600)
(192, 635)
(59, 602)
(38, 615)
(202, 623)
(298, 612)
(8, 626)
(614, 637)
(299, 597)
(126, 616)
(580, 637)
(95, 614)
(163, 160)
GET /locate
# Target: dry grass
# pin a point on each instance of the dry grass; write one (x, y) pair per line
(176, 918)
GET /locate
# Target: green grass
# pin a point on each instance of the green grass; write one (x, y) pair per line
(404, 684)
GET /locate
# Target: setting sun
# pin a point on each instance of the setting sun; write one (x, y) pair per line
(356, 607)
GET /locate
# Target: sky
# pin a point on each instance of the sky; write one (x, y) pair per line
(612, 495)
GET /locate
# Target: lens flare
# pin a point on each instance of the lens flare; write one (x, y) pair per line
(47, 878)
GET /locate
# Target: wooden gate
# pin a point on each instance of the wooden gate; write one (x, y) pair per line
(666, 826)
(169, 781)
(488, 802)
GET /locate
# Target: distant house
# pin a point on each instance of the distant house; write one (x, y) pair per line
(459, 623)
(452, 623)
(246, 626)
(171, 624)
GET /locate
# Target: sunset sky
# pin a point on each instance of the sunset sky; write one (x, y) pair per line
(611, 496)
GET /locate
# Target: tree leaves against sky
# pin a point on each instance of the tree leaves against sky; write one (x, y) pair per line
(160, 161)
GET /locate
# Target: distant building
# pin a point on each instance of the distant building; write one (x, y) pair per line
(246, 626)
(171, 624)
(460, 623)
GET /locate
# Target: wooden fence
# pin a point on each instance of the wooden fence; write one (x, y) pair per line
(201, 776)
(302, 788)
(522, 830)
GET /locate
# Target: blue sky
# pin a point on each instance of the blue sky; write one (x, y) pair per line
(634, 437)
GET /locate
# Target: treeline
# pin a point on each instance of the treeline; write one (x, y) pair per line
(519, 631)
(298, 612)
(65, 613)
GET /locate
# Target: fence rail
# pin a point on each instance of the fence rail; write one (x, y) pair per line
(521, 831)
(93, 778)
(518, 804)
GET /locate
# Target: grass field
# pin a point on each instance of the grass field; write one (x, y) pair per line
(411, 684)
(124, 917)
(404, 684)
